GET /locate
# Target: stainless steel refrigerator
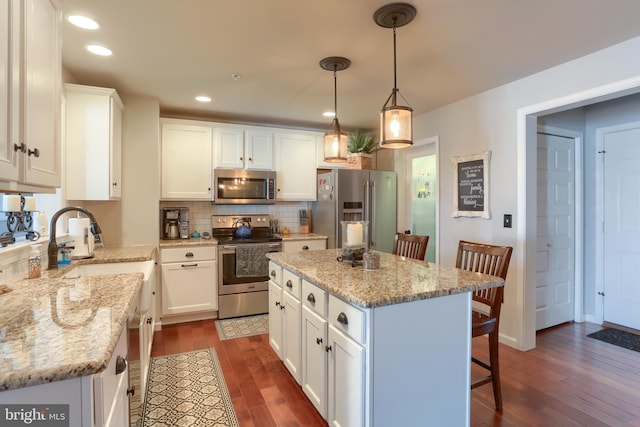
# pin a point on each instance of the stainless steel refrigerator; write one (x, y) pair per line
(356, 195)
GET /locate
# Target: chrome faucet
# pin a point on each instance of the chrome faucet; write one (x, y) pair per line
(52, 250)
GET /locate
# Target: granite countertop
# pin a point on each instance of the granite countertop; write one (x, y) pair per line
(397, 281)
(53, 328)
(298, 236)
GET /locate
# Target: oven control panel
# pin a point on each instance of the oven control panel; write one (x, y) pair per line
(228, 221)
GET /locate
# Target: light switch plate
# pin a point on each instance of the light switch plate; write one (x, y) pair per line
(507, 221)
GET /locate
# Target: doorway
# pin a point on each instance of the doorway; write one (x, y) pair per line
(422, 195)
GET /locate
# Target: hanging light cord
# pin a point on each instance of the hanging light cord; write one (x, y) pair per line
(395, 84)
(335, 97)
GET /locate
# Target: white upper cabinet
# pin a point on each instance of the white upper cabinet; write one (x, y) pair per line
(186, 160)
(30, 80)
(242, 147)
(296, 165)
(93, 143)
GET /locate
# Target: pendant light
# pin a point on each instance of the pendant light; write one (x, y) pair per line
(396, 127)
(335, 140)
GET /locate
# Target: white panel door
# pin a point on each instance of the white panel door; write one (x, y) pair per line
(556, 236)
(622, 227)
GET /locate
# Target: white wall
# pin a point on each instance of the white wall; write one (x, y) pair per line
(140, 170)
(494, 121)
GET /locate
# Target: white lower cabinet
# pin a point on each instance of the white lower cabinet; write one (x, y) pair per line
(189, 280)
(330, 335)
(285, 317)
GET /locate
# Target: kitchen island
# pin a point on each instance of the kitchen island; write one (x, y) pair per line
(384, 347)
(59, 332)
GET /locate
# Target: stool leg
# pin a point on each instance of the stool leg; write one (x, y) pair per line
(495, 368)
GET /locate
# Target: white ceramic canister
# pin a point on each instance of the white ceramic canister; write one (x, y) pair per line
(41, 223)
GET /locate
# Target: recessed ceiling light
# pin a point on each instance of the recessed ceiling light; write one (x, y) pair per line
(99, 50)
(329, 114)
(202, 98)
(235, 76)
(83, 22)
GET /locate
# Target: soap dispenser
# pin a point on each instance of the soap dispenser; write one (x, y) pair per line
(35, 267)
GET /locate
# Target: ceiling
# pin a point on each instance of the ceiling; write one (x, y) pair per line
(173, 50)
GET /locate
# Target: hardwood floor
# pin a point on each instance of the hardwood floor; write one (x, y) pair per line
(568, 380)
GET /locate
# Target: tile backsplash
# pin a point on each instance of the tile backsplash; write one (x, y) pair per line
(287, 213)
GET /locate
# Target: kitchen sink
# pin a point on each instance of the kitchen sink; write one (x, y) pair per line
(145, 267)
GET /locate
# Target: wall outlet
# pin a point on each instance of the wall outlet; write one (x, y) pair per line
(507, 221)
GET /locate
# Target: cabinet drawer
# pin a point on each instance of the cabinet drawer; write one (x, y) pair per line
(275, 273)
(304, 245)
(188, 254)
(346, 318)
(315, 298)
(291, 283)
(110, 385)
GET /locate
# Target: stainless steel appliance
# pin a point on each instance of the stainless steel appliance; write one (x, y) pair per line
(243, 281)
(244, 187)
(174, 223)
(356, 195)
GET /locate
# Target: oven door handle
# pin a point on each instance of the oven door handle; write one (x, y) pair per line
(276, 246)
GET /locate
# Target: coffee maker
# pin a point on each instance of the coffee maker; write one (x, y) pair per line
(174, 223)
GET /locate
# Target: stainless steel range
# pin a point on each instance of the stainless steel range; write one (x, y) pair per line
(243, 281)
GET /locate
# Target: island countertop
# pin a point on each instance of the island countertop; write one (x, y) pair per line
(398, 279)
(55, 328)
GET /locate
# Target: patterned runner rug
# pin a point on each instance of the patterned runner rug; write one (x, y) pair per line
(188, 389)
(242, 326)
(617, 337)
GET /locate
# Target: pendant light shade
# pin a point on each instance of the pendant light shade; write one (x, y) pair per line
(335, 140)
(396, 121)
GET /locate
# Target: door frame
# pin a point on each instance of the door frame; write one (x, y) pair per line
(526, 143)
(598, 316)
(425, 148)
(404, 183)
(578, 215)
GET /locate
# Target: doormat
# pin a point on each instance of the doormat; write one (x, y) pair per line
(188, 389)
(242, 326)
(617, 337)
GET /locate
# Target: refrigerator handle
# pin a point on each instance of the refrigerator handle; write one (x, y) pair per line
(372, 210)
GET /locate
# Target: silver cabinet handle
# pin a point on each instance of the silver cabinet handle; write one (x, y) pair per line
(342, 318)
(289, 284)
(121, 365)
(311, 298)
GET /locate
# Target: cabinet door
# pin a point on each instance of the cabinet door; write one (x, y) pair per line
(41, 93)
(314, 359)
(9, 89)
(345, 396)
(229, 147)
(189, 287)
(275, 317)
(115, 152)
(186, 162)
(296, 166)
(292, 342)
(93, 139)
(258, 149)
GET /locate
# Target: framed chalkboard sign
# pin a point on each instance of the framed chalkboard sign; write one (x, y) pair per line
(471, 185)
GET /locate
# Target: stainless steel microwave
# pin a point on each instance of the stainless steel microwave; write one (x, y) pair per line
(244, 187)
